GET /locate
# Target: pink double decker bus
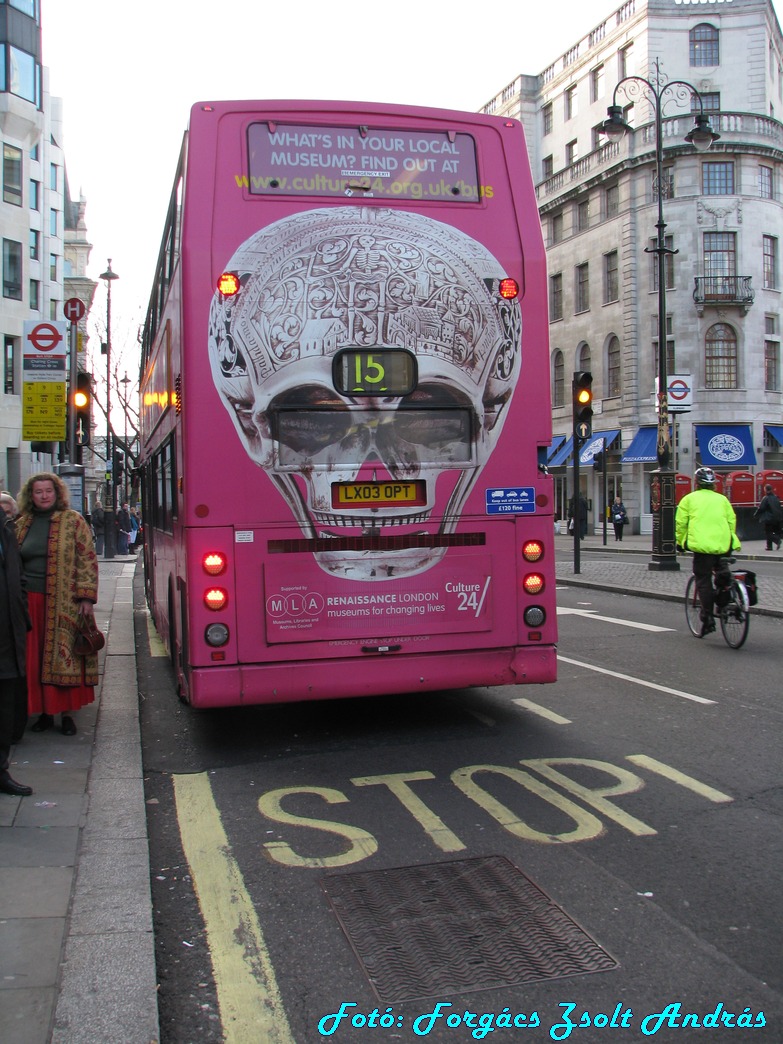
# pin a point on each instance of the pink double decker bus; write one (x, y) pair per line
(345, 394)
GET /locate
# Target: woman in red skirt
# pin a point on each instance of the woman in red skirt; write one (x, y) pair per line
(61, 570)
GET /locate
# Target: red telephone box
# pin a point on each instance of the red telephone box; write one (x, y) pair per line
(682, 485)
(741, 488)
(772, 478)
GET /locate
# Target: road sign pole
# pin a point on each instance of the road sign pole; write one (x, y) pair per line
(71, 412)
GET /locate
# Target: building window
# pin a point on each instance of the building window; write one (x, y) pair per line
(720, 357)
(35, 295)
(12, 175)
(667, 184)
(558, 380)
(570, 102)
(547, 167)
(12, 270)
(710, 102)
(612, 201)
(555, 297)
(581, 288)
(720, 262)
(717, 179)
(611, 277)
(705, 45)
(670, 355)
(584, 359)
(53, 268)
(23, 76)
(597, 83)
(571, 153)
(35, 195)
(35, 244)
(770, 263)
(53, 177)
(668, 262)
(625, 60)
(772, 366)
(557, 228)
(599, 137)
(53, 222)
(613, 375)
(547, 119)
(583, 215)
(9, 351)
(765, 182)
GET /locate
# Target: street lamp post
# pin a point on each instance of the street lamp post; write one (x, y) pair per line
(701, 136)
(110, 539)
(125, 382)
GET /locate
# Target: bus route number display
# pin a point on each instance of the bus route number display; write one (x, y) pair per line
(375, 372)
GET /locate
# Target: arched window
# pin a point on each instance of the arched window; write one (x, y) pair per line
(720, 357)
(583, 358)
(705, 45)
(558, 379)
(613, 371)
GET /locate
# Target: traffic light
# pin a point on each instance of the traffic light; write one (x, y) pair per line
(583, 404)
(598, 461)
(119, 461)
(82, 401)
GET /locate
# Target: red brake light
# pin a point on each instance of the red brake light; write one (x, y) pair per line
(228, 284)
(533, 583)
(215, 598)
(532, 550)
(214, 563)
(508, 289)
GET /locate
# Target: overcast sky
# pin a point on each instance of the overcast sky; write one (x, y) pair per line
(129, 72)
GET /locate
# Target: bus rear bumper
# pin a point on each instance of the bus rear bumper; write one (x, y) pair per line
(377, 676)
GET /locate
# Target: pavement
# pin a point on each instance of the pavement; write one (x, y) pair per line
(77, 954)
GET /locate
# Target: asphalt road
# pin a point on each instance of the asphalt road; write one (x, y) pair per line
(320, 868)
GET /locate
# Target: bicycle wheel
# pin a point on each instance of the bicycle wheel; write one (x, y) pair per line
(693, 607)
(735, 617)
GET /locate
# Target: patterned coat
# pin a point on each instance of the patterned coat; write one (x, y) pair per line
(71, 575)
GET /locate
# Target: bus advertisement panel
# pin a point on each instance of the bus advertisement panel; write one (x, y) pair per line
(345, 389)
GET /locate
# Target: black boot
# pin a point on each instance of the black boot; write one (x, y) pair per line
(44, 722)
(10, 786)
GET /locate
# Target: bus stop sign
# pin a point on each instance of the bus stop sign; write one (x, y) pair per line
(74, 309)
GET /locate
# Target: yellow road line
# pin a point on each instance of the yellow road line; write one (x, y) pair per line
(716, 796)
(157, 648)
(251, 1008)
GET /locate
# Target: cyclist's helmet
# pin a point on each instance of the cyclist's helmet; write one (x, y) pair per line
(705, 478)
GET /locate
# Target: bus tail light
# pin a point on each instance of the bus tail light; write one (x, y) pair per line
(533, 583)
(534, 616)
(214, 563)
(532, 550)
(216, 634)
(228, 284)
(215, 598)
(508, 289)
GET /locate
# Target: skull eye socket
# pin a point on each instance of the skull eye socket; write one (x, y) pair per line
(308, 419)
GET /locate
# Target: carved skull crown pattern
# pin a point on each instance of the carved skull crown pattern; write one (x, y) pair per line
(366, 277)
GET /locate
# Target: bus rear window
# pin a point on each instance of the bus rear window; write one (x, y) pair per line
(302, 160)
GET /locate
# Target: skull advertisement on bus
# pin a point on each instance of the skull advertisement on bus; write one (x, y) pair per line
(361, 277)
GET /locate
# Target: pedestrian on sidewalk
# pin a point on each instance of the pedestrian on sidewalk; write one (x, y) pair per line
(11, 509)
(619, 517)
(770, 514)
(706, 524)
(577, 515)
(98, 520)
(14, 625)
(61, 570)
(123, 523)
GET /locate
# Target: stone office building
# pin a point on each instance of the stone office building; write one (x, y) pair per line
(724, 225)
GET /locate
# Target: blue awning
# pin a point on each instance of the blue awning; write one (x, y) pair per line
(561, 455)
(725, 445)
(595, 444)
(557, 442)
(643, 448)
(776, 431)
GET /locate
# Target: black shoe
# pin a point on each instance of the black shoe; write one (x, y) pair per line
(44, 722)
(707, 626)
(69, 726)
(10, 786)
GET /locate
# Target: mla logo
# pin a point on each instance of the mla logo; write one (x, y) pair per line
(285, 606)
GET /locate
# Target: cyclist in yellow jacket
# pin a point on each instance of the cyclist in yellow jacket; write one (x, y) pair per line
(706, 525)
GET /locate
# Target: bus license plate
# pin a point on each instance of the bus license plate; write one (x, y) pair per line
(377, 494)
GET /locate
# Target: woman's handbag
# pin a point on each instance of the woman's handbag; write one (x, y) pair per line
(89, 639)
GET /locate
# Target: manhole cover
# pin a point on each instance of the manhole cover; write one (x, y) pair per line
(471, 924)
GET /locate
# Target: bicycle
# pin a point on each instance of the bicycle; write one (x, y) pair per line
(731, 608)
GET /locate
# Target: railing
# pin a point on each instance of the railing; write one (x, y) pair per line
(723, 290)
